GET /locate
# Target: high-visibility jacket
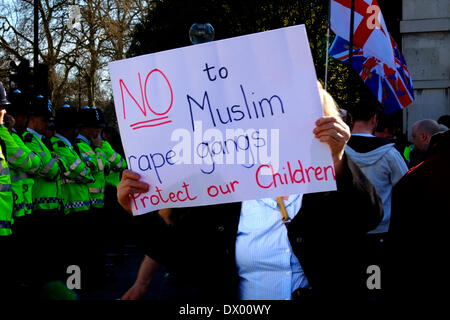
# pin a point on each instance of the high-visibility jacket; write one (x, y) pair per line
(47, 185)
(117, 163)
(407, 152)
(6, 197)
(74, 188)
(98, 164)
(26, 180)
(113, 178)
(22, 161)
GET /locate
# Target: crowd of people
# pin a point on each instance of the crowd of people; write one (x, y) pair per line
(387, 212)
(337, 245)
(55, 169)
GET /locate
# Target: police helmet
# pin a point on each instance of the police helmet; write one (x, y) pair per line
(41, 107)
(91, 117)
(65, 117)
(19, 103)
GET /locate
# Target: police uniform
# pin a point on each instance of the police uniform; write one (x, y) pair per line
(95, 159)
(75, 194)
(6, 218)
(6, 196)
(46, 194)
(23, 164)
(74, 189)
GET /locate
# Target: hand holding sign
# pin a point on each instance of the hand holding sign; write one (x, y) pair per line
(130, 185)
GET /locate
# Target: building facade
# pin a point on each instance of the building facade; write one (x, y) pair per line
(425, 30)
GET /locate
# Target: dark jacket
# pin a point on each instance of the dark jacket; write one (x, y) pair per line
(327, 236)
(418, 264)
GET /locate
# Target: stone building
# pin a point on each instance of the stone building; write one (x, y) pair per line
(425, 32)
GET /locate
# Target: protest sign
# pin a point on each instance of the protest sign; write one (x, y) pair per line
(224, 121)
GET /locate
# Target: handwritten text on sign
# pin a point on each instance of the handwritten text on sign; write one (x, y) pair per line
(225, 121)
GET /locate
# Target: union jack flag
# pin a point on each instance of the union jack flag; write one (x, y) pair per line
(392, 87)
(370, 31)
(376, 56)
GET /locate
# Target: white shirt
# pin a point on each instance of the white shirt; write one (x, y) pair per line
(267, 267)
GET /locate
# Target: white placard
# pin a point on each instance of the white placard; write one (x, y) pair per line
(224, 121)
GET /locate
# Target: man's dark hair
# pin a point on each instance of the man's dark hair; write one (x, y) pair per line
(385, 122)
(364, 110)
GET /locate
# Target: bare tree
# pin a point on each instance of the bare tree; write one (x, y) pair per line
(81, 51)
(118, 20)
(16, 38)
(90, 39)
(104, 35)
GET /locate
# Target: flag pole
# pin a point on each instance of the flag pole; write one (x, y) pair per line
(328, 44)
(350, 49)
(352, 27)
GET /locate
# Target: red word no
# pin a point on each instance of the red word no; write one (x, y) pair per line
(144, 94)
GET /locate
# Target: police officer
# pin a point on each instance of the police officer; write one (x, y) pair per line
(22, 163)
(45, 192)
(89, 143)
(46, 195)
(6, 204)
(74, 186)
(75, 194)
(6, 196)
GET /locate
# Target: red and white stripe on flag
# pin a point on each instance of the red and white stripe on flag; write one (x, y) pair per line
(370, 32)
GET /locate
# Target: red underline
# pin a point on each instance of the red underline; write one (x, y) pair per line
(134, 124)
(152, 125)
